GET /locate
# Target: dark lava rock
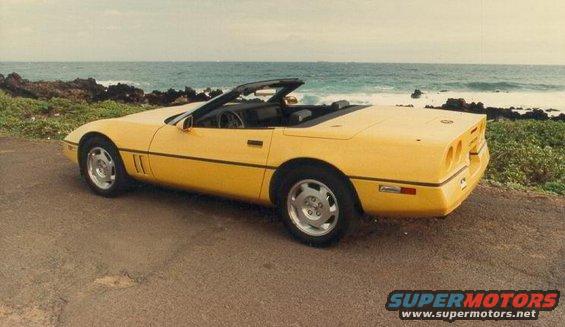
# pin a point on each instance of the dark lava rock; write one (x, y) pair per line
(15, 85)
(164, 98)
(536, 114)
(496, 113)
(476, 107)
(89, 90)
(417, 93)
(179, 101)
(173, 97)
(215, 93)
(189, 92)
(201, 97)
(79, 89)
(455, 104)
(124, 93)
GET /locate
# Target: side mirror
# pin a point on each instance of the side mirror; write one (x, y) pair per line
(186, 124)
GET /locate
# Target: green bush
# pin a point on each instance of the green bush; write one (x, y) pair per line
(527, 153)
(55, 118)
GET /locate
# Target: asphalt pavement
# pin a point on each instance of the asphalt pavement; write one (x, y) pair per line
(162, 257)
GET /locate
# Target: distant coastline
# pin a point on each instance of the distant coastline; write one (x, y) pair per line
(377, 83)
(89, 90)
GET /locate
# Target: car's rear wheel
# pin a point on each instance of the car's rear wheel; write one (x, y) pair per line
(316, 205)
(102, 167)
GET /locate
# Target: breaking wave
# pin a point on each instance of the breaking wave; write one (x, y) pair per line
(507, 86)
(536, 99)
(114, 82)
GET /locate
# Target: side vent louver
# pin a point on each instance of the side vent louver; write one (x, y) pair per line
(140, 162)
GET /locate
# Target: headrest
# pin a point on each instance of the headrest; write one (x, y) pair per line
(299, 116)
(339, 105)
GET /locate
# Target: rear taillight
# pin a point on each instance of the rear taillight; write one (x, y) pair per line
(458, 151)
(449, 158)
(408, 190)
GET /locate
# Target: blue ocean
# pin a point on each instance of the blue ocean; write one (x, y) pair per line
(386, 83)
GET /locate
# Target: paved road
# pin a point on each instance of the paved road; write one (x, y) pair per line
(161, 257)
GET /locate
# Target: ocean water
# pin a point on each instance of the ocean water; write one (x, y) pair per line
(374, 83)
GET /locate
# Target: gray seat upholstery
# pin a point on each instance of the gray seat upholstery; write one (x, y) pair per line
(267, 113)
(339, 105)
(263, 115)
(299, 116)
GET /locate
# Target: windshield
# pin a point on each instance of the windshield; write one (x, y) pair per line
(178, 117)
(283, 87)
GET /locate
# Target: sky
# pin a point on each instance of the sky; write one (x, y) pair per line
(428, 31)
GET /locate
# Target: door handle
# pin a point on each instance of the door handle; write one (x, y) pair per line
(255, 142)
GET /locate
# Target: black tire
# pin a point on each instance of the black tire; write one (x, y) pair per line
(121, 181)
(348, 213)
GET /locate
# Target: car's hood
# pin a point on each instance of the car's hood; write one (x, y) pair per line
(158, 116)
(395, 121)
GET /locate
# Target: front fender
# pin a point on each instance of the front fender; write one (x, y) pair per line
(124, 134)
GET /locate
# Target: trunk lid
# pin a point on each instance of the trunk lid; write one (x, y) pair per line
(432, 124)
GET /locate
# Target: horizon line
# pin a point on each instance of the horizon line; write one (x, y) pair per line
(276, 61)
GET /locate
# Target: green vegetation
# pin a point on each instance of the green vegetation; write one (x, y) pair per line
(525, 154)
(55, 118)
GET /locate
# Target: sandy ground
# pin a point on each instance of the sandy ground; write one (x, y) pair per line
(162, 257)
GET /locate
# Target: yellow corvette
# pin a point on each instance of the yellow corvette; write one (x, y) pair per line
(320, 165)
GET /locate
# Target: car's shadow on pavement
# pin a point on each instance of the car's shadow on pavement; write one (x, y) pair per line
(366, 231)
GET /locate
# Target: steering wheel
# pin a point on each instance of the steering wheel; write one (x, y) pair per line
(229, 119)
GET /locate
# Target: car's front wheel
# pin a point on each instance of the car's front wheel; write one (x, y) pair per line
(102, 167)
(316, 205)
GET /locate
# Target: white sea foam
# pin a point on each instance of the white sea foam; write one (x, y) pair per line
(542, 100)
(114, 82)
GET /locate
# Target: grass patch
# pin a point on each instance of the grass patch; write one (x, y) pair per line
(525, 154)
(55, 118)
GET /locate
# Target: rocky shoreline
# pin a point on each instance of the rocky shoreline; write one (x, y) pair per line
(90, 91)
(494, 113)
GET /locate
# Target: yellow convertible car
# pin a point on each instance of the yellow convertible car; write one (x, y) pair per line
(320, 165)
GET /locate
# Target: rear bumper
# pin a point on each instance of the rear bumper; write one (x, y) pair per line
(429, 201)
